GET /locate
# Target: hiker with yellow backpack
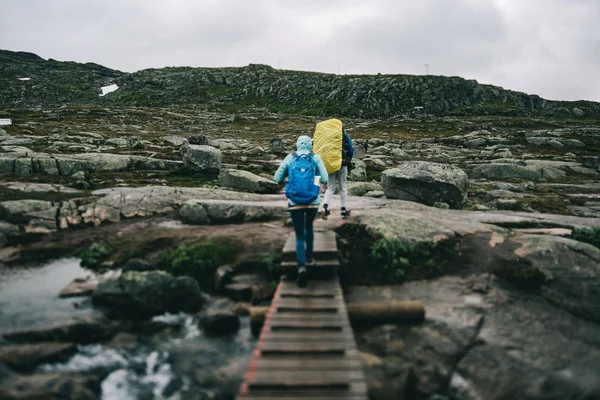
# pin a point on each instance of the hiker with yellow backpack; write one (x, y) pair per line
(334, 146)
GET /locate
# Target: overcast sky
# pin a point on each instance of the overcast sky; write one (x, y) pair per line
(545, 47)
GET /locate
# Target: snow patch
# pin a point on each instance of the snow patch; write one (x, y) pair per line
(108, 89)
(24, 79)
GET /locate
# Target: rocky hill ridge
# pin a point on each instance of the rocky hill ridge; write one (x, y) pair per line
(54, 84)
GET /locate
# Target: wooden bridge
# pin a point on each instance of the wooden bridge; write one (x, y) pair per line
(306, 348)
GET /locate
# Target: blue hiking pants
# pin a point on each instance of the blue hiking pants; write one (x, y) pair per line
(303, 219)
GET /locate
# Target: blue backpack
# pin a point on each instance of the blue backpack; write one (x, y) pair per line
(301, 188)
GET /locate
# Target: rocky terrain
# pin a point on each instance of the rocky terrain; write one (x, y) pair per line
(484, 205)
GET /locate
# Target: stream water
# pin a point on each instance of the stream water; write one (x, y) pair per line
(168, 365)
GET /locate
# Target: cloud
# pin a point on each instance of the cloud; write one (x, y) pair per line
(547, 47)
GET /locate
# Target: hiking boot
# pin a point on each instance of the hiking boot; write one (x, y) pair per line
(326, 213)
(302, 280)
(345, 213)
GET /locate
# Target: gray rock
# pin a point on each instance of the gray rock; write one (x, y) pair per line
(426, 183)
(533, 172)
(276, 146)
(201, 212)
(539, 141)
(572, 143)
(78, 176)
(474, 143)
(223, 276)
(374, 194)
(26, 357)
(359, 171)
(6, 231)
(200, 140)
(22, 211)
(7, 164)
(591, 161)
(192, 212)
(245, 180)
(119, 142)
(80, 287)
(202, 158)
(220, 322)
(555, 143)
(45, 166)
(359, 189)
(577, 112)
(53, 385)
(92, 162)
(145, 294)
(134, 142)
(81, 331)
(174, 141)
(23, 166)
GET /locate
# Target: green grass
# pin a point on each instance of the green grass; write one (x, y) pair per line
(587, 235)
(94, 255)
(200, 259)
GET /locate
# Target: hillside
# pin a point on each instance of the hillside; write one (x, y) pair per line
(55, 84)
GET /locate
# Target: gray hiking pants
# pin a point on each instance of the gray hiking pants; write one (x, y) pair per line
(339, 176)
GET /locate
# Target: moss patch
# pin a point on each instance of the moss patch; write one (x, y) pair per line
(587, 235)
(200, 259)
(93, 256)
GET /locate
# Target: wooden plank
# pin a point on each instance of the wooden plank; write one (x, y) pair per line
(301, 294)
(314, 285)
(354, 389)
(319, 263)
(350, 353)
(313, 335)
(285, 396)
(309, 379)
(303, 347)
(346, 340)
(312, 397)
(307, 326)
(319, 364)
(300, 302)
(307, 318)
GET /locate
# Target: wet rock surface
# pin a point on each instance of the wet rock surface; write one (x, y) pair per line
(145, 294)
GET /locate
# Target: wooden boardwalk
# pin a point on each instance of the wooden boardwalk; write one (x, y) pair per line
(306, 348)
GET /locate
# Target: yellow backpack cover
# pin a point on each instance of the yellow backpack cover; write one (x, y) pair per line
(327, 143)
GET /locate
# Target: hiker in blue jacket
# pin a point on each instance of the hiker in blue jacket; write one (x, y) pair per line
(303, 195)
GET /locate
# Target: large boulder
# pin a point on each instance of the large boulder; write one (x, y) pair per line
(426, 182)
(145, 294)
(359, 171)
(245, 180)
(202, 158)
